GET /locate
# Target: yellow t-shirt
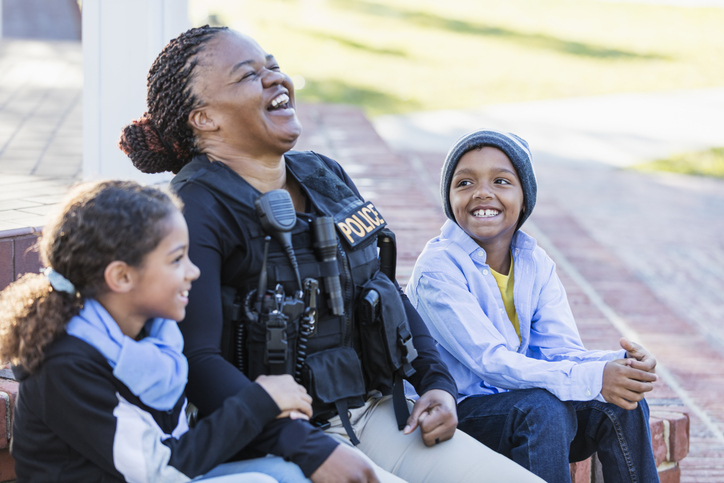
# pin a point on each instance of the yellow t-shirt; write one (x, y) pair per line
(505, 284)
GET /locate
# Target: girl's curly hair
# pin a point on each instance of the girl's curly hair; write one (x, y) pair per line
(161, 139)
(98, 223)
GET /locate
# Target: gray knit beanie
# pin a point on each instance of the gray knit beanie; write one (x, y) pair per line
(514, 147)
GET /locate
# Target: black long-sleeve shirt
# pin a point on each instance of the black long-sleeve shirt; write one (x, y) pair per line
(217, 247)
(74, 421)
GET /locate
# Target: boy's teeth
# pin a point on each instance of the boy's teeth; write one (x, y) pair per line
(485, 213)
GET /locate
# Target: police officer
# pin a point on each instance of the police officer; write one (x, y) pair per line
(222, 115)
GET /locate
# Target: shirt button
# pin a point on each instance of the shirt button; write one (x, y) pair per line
(517, 251)
(481, 254)
(588, 392)
(485, 272)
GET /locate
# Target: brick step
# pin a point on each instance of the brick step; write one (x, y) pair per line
(8, 394)
(670, 440)
(669, 436)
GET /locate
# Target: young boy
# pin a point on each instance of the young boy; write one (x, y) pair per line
(492, 300)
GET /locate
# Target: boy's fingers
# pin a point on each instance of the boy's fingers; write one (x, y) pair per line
(623, 403)
(626, 344)
(645, 366)
(640, 387)
(632, 395)
(635, 374)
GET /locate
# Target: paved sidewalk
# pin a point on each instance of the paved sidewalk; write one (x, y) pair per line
(40, 127)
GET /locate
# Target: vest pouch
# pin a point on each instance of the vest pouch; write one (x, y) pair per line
(271, 345)
(385, 337)
(334, 375)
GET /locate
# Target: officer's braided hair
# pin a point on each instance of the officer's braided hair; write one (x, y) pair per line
(161, 139)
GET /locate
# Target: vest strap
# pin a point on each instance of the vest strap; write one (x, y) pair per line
(399, 402)
(342, 411)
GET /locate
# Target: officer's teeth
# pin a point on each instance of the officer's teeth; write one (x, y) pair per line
(485, 213)
(281, 99)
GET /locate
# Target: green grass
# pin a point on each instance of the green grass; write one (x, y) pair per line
(392, 56)
(699, 163)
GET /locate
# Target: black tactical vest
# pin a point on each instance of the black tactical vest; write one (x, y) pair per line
(343, 360)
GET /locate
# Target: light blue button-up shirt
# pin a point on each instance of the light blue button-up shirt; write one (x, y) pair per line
(459, 300)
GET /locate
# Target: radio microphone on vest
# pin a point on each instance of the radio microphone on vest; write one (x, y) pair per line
(276, 213)
(263, 276)
(326, 244)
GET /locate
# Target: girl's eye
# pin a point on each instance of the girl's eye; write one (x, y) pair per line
(502, 181)
(464, 182)
(178, 259)
(273, 67)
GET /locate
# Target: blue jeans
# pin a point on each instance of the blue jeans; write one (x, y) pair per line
(543, 434)
(273, 468)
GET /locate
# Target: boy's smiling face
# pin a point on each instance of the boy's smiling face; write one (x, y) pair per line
(486, 197)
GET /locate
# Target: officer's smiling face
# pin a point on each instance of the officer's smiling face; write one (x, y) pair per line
(486, 197)
(247, 101)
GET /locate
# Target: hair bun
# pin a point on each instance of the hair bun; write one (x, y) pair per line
(143, 144)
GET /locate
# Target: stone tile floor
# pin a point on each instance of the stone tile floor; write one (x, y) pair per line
(40, 127)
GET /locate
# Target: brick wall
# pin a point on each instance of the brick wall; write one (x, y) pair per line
(17, 257)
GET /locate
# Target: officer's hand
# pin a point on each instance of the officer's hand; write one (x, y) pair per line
(345, 465)
(436, 415)
(291, 398)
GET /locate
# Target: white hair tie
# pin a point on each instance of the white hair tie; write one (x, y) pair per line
(59, 282)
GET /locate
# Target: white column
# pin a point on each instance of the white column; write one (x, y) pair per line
(121, 39)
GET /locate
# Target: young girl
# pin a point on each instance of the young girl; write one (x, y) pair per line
(98, 354)
(492, 300)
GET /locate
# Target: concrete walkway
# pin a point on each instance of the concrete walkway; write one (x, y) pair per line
(41, 87)
(641, 255)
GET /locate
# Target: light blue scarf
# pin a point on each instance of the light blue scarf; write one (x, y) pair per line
(154, 369)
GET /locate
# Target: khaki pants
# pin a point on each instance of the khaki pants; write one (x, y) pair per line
(398, 457)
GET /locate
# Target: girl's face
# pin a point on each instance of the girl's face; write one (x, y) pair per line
(163, 280)
(486, 197)
(249, 98)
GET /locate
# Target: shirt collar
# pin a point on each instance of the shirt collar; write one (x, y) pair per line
(452, 231)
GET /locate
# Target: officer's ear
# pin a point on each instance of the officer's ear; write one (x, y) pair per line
(202, 120)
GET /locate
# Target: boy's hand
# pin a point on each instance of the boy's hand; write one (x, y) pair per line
(640, 357)
(624, 385)
(436, 415)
